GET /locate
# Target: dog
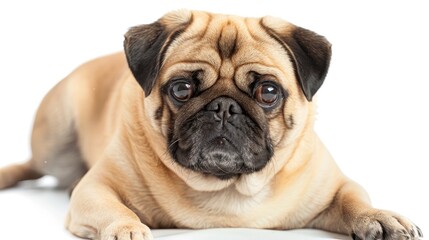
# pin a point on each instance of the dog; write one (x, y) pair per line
(204, 120)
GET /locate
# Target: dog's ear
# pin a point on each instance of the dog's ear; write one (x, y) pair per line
(145, 46)
(310, 53)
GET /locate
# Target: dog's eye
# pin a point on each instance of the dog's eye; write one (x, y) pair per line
(181, 90)
(266, 94)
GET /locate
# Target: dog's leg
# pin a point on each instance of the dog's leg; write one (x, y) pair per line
(12, 174)
(351, 213)
(98, 211)
(54, 144)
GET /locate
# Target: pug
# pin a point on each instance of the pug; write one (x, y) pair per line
(204, 121)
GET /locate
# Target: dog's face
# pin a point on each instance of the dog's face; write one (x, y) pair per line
(226, 93)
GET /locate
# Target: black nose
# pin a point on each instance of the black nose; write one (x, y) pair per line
(224, 108)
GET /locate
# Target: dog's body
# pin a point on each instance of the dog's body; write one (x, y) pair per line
(152, 158)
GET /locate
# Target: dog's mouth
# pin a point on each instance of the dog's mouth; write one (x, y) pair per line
(219, 157)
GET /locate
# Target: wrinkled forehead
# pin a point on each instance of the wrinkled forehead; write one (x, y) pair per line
(225, 46)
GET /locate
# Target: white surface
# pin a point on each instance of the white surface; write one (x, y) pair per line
(373, 107)
(245, 234)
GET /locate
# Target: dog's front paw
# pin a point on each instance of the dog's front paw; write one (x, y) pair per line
(384, 225)
(125, 230)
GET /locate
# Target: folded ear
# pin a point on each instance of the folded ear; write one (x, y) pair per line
(145, 46)
(310, 53)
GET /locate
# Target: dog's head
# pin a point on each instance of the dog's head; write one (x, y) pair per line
(225, 92)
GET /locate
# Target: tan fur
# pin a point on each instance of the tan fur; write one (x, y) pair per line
(99, 117)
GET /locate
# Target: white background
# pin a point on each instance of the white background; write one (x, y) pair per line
(373, 110)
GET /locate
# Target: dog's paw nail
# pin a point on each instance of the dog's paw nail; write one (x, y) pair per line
(126, 231)
(378, 235)
(404, 234)
(355, 237)
(419, 231)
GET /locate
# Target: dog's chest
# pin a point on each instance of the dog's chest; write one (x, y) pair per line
(229, 201)
(226, 208)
